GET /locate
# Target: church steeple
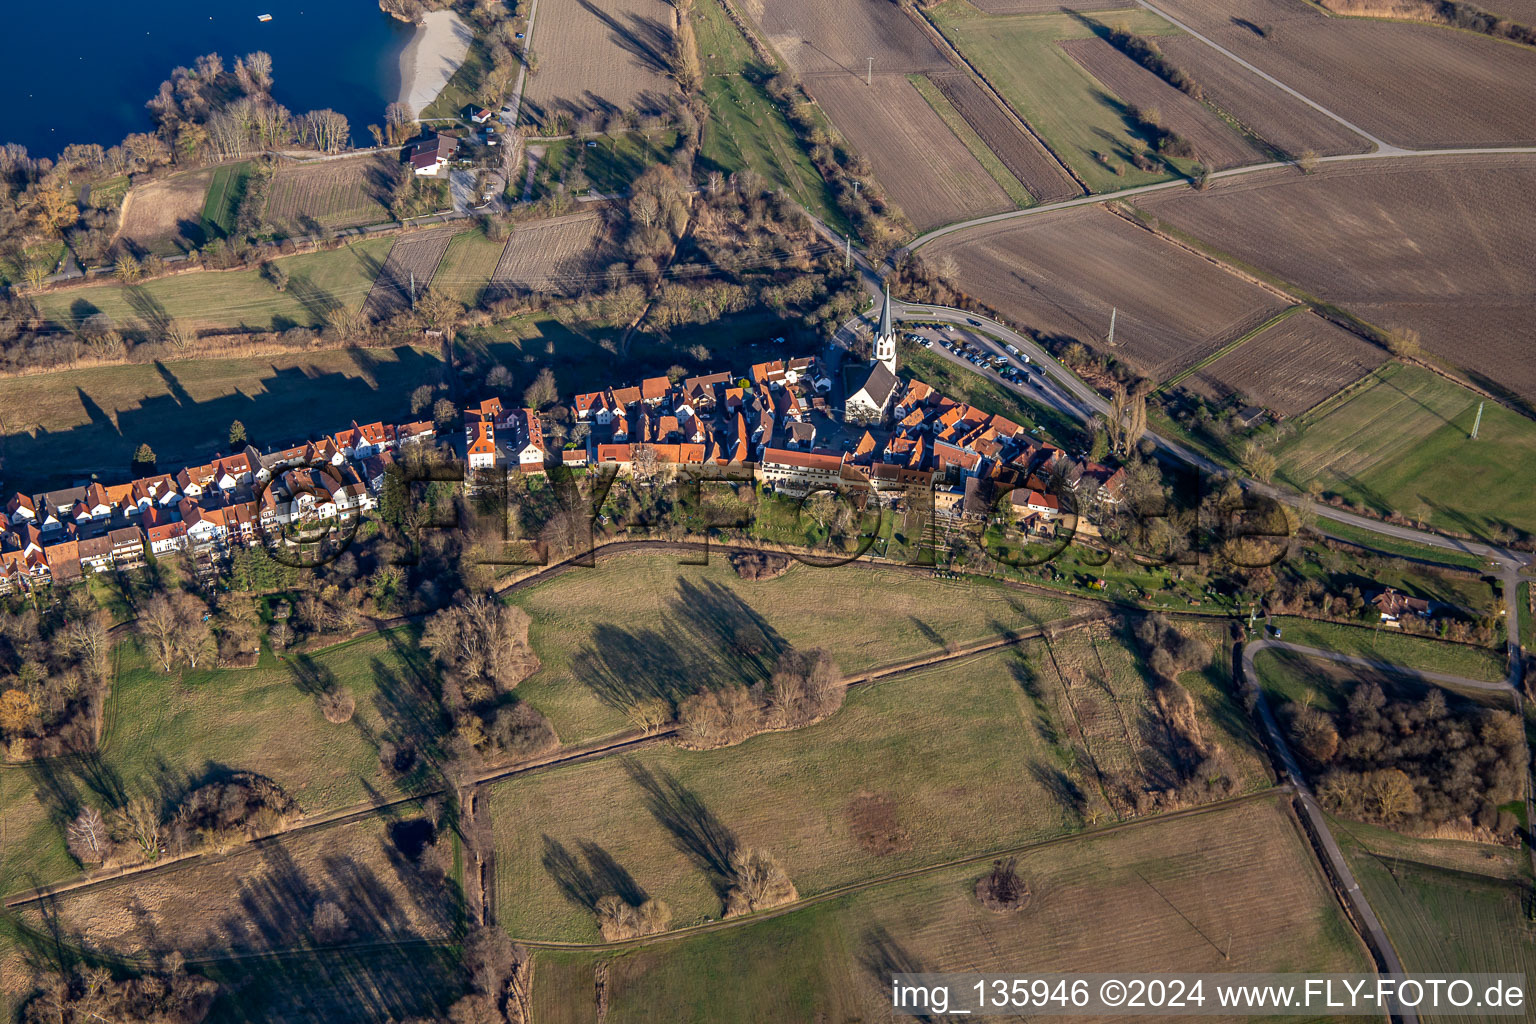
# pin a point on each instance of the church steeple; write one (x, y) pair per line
(885, 338)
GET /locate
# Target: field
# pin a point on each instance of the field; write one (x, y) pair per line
(609, 166)
(1021, 153)
(1280, 119)
(1393, 646)
(558, 255)
(1465, 916)
(1217, 145)
(1061, 274)
(838, 37)
(1097, 696)
(1019, 55)
(1291, 366)
(165, 216)
(593, 628)
(1158, 896)
(926, 168)
(412, 263)
(241, 300)
(261, 898)
(224, 194)
(966, 133)
(64, 426)
(467, 266)
(1401, 243)
(166, 734)
(746, 130)
(1391, 443)
(604, 57)
(315, 198)
(909, 772)
(1448, 88)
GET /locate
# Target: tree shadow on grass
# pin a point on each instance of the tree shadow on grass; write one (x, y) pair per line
(708, 635)
(696, 831)
(586, 883)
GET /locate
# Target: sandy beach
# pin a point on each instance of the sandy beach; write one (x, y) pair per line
(431, 57)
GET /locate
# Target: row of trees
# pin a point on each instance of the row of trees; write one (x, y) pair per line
(805, 687)
(215, 816)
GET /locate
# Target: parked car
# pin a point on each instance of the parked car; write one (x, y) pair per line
(973, 323)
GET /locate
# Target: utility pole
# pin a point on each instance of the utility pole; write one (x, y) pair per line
(1476, 424)
(1113, 312)
(413, 289)
(847, 250)
(869, 72)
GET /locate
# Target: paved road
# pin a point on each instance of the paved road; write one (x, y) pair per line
(1370, 924)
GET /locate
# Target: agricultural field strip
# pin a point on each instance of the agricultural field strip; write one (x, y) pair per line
(1213, 807)
(1383, 148)
(558, 759)
(1164, 186)
(1227, 350)
(412, 263)
(987, 155)
(1407, 672)
(1019, 150)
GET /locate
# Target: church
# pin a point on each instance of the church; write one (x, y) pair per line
(871, 395)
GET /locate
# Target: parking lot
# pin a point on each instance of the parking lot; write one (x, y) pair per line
(992, 359)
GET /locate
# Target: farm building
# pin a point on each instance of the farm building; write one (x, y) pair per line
(431, 156)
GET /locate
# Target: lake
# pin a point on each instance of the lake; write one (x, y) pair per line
(83, 72)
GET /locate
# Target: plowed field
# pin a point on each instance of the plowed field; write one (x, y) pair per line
(1062, 273)
(1020, 152)
(1216, 144)
(927, 169)
(1292, 366)
(550, 256)
(1433, 245)
(414, 258)
(1415, 85)
(600, 56)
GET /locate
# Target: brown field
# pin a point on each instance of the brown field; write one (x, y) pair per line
(1277, 117)
(1522, 11)
(1061, 273)
(1446, 88)
(602, 57)
(1235, 889)
(1292, 366)
(415, 254)
(839, 36)
(1048, 6)
(260, 898)
(1421, 244)
(1216, 144)
(159, 213)
(557, 255)
(929, 172)
(1020, 152)
(307, 199)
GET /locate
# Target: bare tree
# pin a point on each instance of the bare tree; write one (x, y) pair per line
(88, 836)
(758, 882)
(156, 624)
(138, 821)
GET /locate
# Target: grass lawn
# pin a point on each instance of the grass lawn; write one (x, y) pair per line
(987, 395)
(973, 142)
(467, 266)
(1399, 648)
(165, 734)
(337, 985)
(746, 130)
(67, 425)
(1448, 906)
(1047, 88)
(233, 299)
(224, 194)
(607, 167)
(944, 748)
(599, 631)
(1400, 442)
(1242, 878)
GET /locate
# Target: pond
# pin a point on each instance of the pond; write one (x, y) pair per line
(83, 72)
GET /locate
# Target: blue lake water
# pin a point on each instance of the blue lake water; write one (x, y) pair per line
(83, 70)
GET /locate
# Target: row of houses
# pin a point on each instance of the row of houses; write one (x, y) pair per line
(63, 535)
